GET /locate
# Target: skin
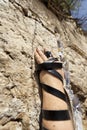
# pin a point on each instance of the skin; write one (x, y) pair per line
(51, 102)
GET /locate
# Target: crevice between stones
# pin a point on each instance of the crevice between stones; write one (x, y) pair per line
(78, 50)
(78, 91)
(36, 17)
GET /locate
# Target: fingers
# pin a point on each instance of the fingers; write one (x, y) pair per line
(38, 59)
(39, 56)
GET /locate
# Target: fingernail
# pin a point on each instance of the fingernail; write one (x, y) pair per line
(38, 49)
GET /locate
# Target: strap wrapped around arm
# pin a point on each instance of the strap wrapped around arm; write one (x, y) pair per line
(55, 115)
(54, 92)
(49, 66)
(56, 74)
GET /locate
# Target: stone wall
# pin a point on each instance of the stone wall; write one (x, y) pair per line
(25, 25)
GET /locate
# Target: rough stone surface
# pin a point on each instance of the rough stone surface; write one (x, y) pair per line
(25, 25)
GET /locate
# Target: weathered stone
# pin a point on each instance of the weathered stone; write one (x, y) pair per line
(25, 25)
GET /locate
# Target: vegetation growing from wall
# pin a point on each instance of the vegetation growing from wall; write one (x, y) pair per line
(62, 8)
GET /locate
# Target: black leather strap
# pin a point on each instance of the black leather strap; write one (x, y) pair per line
(56, 74)
(43, 128)
(49, 66)
(54, 91)
(54, 115)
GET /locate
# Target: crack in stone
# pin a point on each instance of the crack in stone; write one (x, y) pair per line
(9, 54)
(5, 41)
(73, 46)
(36, 18)
(78, 50)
